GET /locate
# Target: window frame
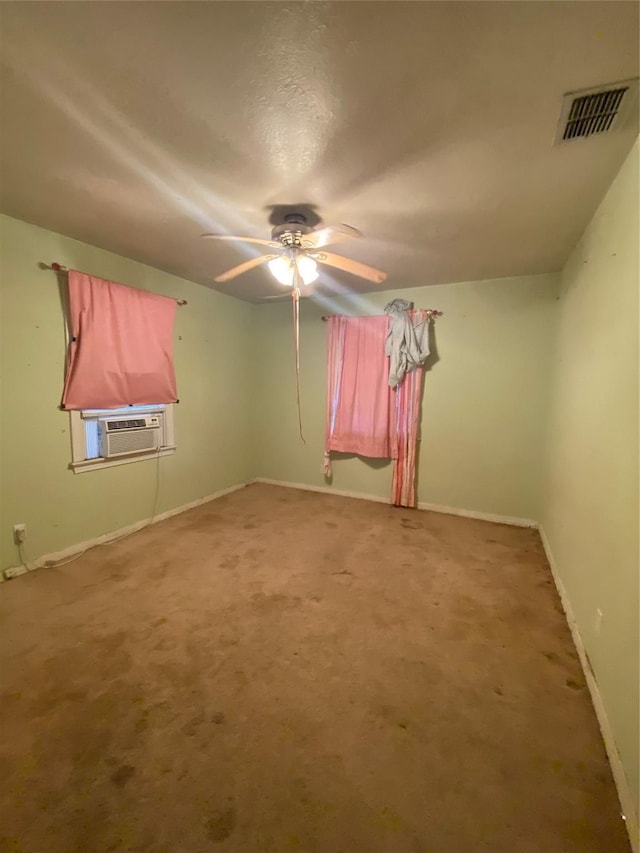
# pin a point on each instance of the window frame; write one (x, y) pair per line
(79, 462)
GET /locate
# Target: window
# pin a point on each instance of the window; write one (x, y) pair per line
(101, 438)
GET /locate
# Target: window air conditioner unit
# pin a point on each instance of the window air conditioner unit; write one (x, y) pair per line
(121, 436)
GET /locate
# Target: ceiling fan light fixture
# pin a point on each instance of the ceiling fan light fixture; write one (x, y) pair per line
(282, 269)
(308, 269)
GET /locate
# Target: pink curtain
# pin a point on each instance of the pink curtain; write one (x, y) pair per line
(405, 436)
(121, 350)
(359, 408)
(364, 415)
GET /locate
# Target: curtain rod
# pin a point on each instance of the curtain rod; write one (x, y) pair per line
(431, 312)
(60, 268)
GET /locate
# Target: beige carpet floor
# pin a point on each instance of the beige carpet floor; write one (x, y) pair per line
(283, 671)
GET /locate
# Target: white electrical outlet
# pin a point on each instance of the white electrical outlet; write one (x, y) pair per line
(19, 532)
(598, 621)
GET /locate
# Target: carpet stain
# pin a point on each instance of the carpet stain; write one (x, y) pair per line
(221, 824)
(253, 553)
(389, 819)
(164, 645)
(121, 776)
(218, 718)
(143, 722)
(274, 601)
(576, 683)
(189, 729)
(160, 571)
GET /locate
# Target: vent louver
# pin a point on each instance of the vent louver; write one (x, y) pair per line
(595, 111)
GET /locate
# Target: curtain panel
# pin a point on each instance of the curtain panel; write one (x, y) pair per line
(121, 347)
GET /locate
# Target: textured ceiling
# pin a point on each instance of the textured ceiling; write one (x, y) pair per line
(428, 126)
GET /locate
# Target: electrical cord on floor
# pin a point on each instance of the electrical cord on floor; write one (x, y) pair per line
(31, 565)
(48, 565)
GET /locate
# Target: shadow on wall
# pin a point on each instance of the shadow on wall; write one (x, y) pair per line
(374, 464)
(369, 461)
(433, 358)
(429, 363)
(63, 293)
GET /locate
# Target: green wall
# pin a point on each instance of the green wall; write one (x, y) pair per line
(591, 511)
(484, 399)
(213, 365)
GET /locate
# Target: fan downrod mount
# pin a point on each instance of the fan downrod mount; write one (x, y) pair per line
(291, 232)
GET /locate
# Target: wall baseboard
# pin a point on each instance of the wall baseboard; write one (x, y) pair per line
(446, 510)
(327, 490)
(80, 547)
(481, 516)
(627, 802)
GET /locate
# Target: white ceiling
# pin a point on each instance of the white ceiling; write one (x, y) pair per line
(429, 126)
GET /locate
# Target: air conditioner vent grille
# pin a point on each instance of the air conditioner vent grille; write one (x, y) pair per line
(593, 113)
(130, 424)
(133, 442)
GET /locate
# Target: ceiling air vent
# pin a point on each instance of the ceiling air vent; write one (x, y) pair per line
(595, 111)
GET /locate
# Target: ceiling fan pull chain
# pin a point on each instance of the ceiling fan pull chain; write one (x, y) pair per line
(295, 295)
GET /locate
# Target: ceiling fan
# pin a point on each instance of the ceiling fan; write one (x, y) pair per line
(297, 249)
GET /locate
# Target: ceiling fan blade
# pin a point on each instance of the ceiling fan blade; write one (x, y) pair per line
(258, 240)
(349, 265)
(330, 234)
(244, 267)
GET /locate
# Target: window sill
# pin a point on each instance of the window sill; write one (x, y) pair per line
(101, 462)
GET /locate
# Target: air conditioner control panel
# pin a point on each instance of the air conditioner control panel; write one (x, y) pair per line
(148, 422)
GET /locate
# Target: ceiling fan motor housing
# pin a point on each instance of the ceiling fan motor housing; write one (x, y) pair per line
(291, 232)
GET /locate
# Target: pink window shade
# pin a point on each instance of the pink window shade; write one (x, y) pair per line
(121, 352)
(359, 404)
